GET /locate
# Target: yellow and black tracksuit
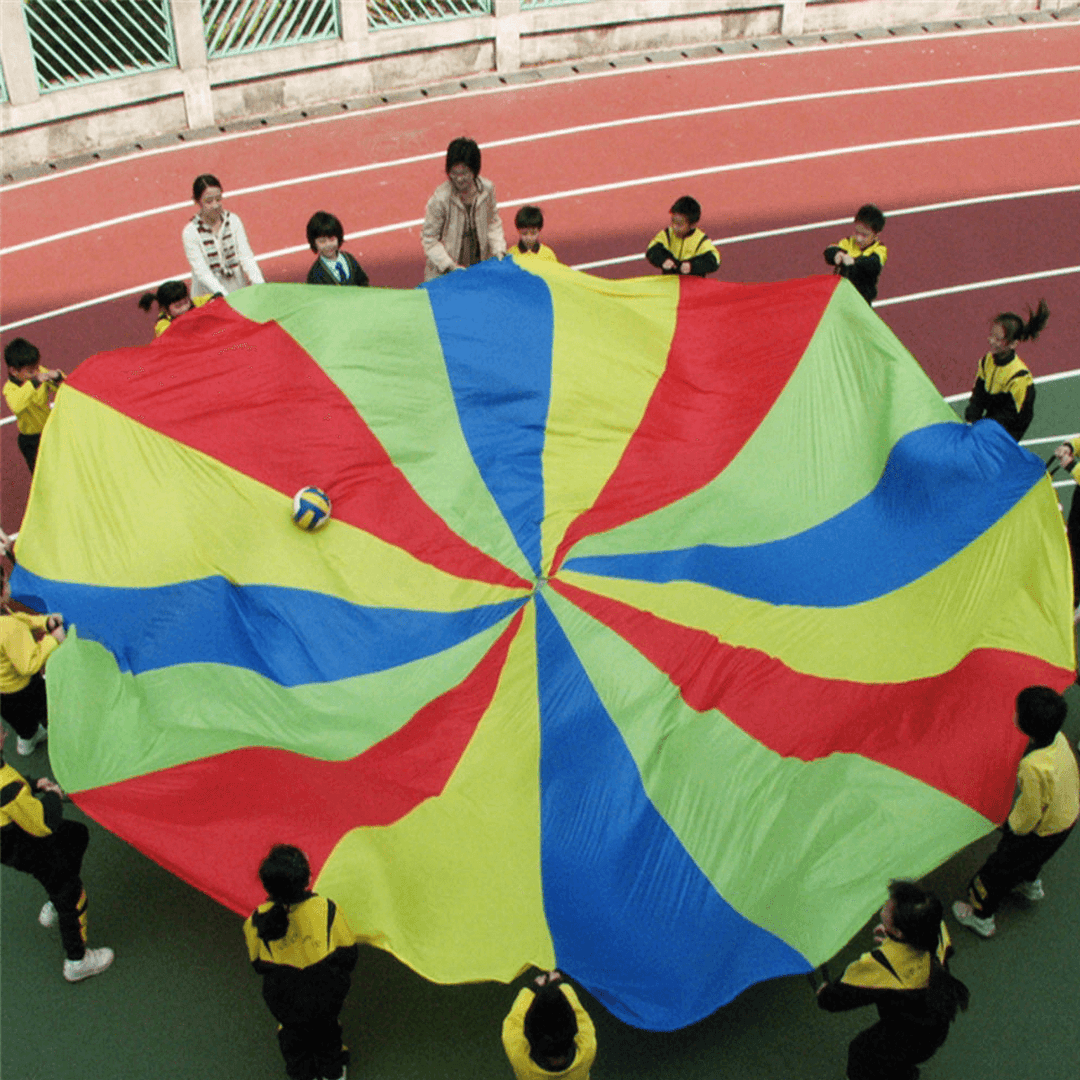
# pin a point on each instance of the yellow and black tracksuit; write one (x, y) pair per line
(865, 270)
(895, 977)
(1042, 817)
(35, 838)
(695, 248)
(28, 399)
(306, 975)
(25, 645)
(516, 1044)
(1004, 391)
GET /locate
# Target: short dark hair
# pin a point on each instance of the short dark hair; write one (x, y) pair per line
(550, 1025)
(202, 182)
(463, 151)
(918, 914)
(324, 224)
(20, 354)
(870, 216)
(689, 207)
(168, 293)
(1040, 712)
(529, 217)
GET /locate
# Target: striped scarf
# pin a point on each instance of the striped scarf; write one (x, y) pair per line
(220, 247)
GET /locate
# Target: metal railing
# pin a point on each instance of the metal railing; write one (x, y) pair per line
(388, 14)
(235, 27)
(75, 42)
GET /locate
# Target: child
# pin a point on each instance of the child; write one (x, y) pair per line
(26, 642)
(302, 947)
(1004, 390)
(907, 978)
(173, 301)
(548, 1033)
(1042, 817)
(27, 393)
(35, 838)
(528, 221)
(333, 266)
(861, 256)
(683, 248)
(216, 244)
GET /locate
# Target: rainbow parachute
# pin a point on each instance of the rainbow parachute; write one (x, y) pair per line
(658, 624)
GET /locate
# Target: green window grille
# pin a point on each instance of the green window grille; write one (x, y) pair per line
(386, 14)
(75, 42)
(234, 27)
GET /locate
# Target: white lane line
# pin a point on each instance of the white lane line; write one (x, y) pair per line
(723, 241)
(1057, 440)
(1039, 275)
(1039, 379)
(579, 129)
(798, 51)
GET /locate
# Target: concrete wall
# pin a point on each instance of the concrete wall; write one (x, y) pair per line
(200, 95)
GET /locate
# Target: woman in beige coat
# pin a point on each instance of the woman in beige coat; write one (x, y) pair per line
(461, 223)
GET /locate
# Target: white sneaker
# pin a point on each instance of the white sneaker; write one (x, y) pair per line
(93, 963)
(965, 915)
(1030, 890)
(28, 746)
(47, 916)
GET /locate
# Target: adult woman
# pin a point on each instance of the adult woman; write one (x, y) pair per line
(461, 223)
(216, 245)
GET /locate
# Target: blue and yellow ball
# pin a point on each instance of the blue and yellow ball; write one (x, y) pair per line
(311, 508)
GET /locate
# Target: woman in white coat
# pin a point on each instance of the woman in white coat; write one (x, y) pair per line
(216, 245)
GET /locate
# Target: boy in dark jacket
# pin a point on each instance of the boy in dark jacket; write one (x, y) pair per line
(333, 266)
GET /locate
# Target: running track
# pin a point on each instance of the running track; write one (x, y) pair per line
(970, 141)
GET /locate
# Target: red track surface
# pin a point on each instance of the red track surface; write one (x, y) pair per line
(928, 250)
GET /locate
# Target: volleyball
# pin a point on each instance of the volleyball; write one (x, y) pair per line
(311, 508)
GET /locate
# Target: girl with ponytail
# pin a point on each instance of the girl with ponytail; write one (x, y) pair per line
(907, 978)
(172, 300)
(302, 947)
(1004, 390)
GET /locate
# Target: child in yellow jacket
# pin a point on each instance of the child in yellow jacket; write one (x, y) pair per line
(26, 642)
(1042, 817)
(27, 392)
(548, 1033)
(301, 945)
(35, 838)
